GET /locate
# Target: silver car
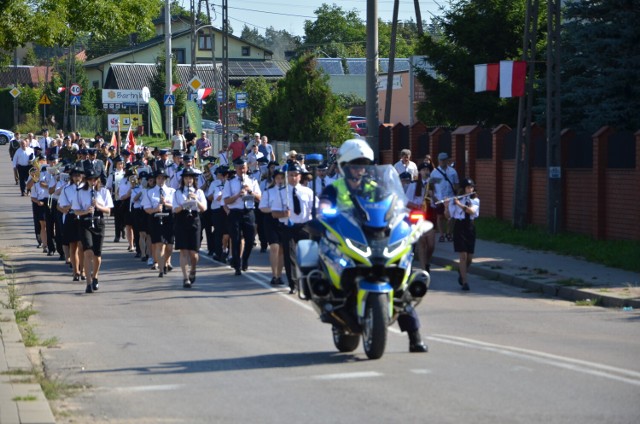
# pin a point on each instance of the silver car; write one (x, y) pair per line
(5, 136)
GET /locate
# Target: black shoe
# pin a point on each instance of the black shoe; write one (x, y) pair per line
(192, 277)
(161, 274)
(238, 272)
(169, 268)
(89, 289)
(186, 284)
(210, 253)
(292, 290)
(76, 277)
(50, 254)
(39, 245)
(137, 255)
(82, 277)
(263, 250)
(415, 342)
(280, 282)
(465, 287)
(144, 259)
(61, 258)
(164, 269)
(116, 240)
(274, 281)
(95, 286)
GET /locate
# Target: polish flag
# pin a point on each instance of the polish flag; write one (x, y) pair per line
(131, 144)
(174, 87)
(512, 78)
(203, 93)
(114, 140)
(61, 89)
(487, 77)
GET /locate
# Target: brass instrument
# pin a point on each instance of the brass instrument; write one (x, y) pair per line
(34, 171)
(134, 181)
(426, 199)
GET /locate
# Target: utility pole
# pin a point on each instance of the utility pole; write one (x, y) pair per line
(225, 71)
(416, 4)
(555, 216)
(168, 65)
(392, 58)
(372, 76)
(523, 129)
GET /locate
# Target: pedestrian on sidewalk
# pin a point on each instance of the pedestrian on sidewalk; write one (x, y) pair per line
(463, 210)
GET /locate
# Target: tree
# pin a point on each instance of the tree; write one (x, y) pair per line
(158, 87)
(60, 22)
(471, 32)
(259, 93)
(601, 60)
(30, 58)
(303, 108)
(336, 32)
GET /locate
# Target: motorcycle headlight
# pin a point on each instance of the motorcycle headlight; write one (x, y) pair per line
(393, 249)
(359, 248)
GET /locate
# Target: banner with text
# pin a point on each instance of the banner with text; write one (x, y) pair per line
(156, 116)
(194, 117)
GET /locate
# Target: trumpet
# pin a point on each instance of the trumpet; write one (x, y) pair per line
(426, 199)
(133, 180)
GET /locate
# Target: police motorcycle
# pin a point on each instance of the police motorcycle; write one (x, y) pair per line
(356, 270)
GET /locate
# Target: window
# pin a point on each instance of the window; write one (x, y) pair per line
(246, 51)
(180, 55)
(204, 42)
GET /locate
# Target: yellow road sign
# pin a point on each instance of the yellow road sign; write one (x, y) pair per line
(44, 100)
(14, 92)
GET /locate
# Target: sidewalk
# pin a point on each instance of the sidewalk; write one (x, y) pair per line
(550, 274)
(21, 400)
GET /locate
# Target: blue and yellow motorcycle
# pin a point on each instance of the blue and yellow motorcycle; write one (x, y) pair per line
(357, 270)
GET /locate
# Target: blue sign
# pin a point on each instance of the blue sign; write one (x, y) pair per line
(75, 100)
(241, 100)
(169, 100)
(219, 96)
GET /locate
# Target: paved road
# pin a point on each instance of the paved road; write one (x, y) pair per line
(233, 349)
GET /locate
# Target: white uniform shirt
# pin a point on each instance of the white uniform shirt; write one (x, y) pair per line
(282, 203)
(82, 200)
(137, 204)
(113, 182)
(22, 157)
(441, 187)
(457, 212)
(411, 192)
(181, 196)
(233, 187)
(268, 194)
(410, 167)
(124, 188)
(151, 199)
(215, 191)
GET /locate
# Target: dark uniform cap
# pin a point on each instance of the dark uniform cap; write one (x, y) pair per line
(143, 174)
(425, 165)
(222, 170)
(190, 172)
(405, 176)
(52, 156)
(117, 159)
(160, 173)
(111, 148)
(83, 151)
(92, 151)
(90, 173)
(176, 153)
(41, 156)
(37, 149)
(139, 156)
(164, 152)
(467, 182)
(294, 168)
(240, 161)
(187, 157)
(274, 163)
(125, 153)
(77, 170)
(263, 160)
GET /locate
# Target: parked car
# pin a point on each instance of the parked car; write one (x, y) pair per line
(208, 124)
(359, 126)
(5, 136)
(356, 118)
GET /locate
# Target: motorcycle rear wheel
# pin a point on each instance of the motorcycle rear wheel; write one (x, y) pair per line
(344, 342)
(374, 328)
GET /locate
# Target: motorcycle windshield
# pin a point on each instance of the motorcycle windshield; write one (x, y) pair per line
(378, 196)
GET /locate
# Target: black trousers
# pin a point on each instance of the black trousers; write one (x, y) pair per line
(262, 233)
(241, 226)
(50, 220)
(118, 217)
(219, 219)
(23, 175)
(290, 236)
(205, 221)
(57, 222)
(36, 223)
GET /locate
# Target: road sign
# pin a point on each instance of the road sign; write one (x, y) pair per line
(169, 100)
(75, 89)
(241, 100)
(219, 96)
(195, 83)
(75, 100)
(44, 100)
(15, 92)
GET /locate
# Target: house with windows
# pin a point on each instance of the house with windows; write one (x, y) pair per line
(245, 59)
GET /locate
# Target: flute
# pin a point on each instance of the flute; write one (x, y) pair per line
(462, 196)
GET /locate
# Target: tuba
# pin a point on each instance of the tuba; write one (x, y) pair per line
(34, 171)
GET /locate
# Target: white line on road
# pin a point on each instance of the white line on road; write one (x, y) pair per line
(577, 365)
(347, 375)
(155, 388)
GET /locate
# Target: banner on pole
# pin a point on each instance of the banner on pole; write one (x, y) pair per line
(156, 116)
(194, 117)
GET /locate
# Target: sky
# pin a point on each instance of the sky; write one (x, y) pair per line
(290, 15)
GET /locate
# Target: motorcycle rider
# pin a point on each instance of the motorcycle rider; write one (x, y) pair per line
(353, 156)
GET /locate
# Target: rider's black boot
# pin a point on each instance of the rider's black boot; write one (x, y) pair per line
(415, 342)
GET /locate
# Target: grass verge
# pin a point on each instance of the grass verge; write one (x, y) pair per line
(621, 254)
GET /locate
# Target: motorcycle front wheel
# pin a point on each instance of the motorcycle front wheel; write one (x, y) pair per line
(374, 328)
(344, 342)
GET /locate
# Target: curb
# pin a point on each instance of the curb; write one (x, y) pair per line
(35, 407)
(550, 287)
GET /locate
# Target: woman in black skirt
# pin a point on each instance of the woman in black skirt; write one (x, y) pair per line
(464, 209)
(188, 203)
(71, 224)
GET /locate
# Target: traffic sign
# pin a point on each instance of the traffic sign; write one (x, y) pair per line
(169, 100)
(15, 92)
(146, 94)
(75, 100)
(75, 89)
(195, 83)
(44, 100)
(219, 96)
(241, 100)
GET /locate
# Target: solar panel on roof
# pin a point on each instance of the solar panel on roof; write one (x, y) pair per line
(357, 66)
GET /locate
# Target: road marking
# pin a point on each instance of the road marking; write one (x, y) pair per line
(348, 375)
(421, 371)
(572, 364)
(155, 388)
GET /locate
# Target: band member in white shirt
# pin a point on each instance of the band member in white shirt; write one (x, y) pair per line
(157, 203)
(188, 202)
(464, 210)
(271, 193)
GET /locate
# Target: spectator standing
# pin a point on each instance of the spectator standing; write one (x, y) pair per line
(405, 164)
(445, 181)
(203, 146)
(236, 147)
(22, 163)
(178, 141)
(266, 149)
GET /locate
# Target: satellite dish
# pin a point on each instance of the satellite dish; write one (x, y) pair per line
(146, 95)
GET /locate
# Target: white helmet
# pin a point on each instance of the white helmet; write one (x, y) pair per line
(353, 149)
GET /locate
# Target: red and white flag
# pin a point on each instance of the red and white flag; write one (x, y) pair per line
(174, 87)
(114, 140)
(487, 77)
(512, 78)
(203, 93)
(61, 89)
(131, 144)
